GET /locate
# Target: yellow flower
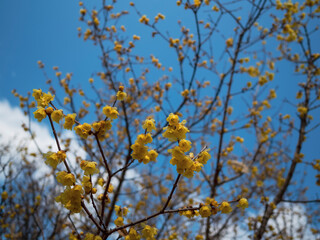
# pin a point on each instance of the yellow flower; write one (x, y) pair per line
(243, 203)
(110, 112)
(204, 157)
(117, 46)
(149, 232)
(66, 179)
(173, 119)
(302, 110)
(132, 235)
(57, 115)
(100, 181)
(83, 130)
(69, 120)
(225, 207)
(199, 237)
(196, 3)
(139, 151)
(89, 168)
(86, 184)
(121, 96)
(42, 98)
(120, 212)
(90, 236)
(40, 114)
(37, 93)
(185, 93)
(229, 42)
(185, 145)
(4, 195)
(119, 221)
(149, 125)
(205, 211)
(152, 154)
(71, 198)
(53, 159)
(144, 138)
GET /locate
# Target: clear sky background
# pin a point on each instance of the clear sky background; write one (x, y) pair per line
(47, 30)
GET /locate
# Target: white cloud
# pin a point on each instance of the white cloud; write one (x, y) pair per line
(290, 219)
(10, 123)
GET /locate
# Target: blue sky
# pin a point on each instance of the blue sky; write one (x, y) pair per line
(40, 30)
(47, 31)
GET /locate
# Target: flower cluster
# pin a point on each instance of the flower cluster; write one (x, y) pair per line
(110, 112)
(175, 130)
(89, 168)
(83, 130)
(66, 179)
(211, 207)
(186, 164)
(69, 121)
(43, 99)
(149, 124)
(140, 150)
(101, 128)
(91, 236)
(71, 198)
(86, 184)
(120, 212)
(149, 232)
(121, 95)
(132, 235)
(53, 159)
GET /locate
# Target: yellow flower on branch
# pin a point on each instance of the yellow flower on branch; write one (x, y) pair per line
(40, 114)
(66, 179)
(205, 211)
(225, 207)
(243, 203)
(71, 198)
(57, 115)
(43, 99)
(83, 130)
(110, 112)
(69, 121)
(53, 159)
(89, 168)
(149, 125)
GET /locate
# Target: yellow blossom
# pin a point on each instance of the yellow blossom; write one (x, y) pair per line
(132, 235)
(119, 221)
(43, 99)
(40, 114)
(57, 115)
(149, 125)
(4, 195)
(302, 110)
(71, 198)
(66, 179)
(139, 151)
(69, 121)
(225, 207)
(89, 168)
(83, 130)
(53, 159)
(149, 232)
(152, 154)
(110, 112)
(205, 211)
(243, 203)
(185, 145)
(229, 42)
(204, 157)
